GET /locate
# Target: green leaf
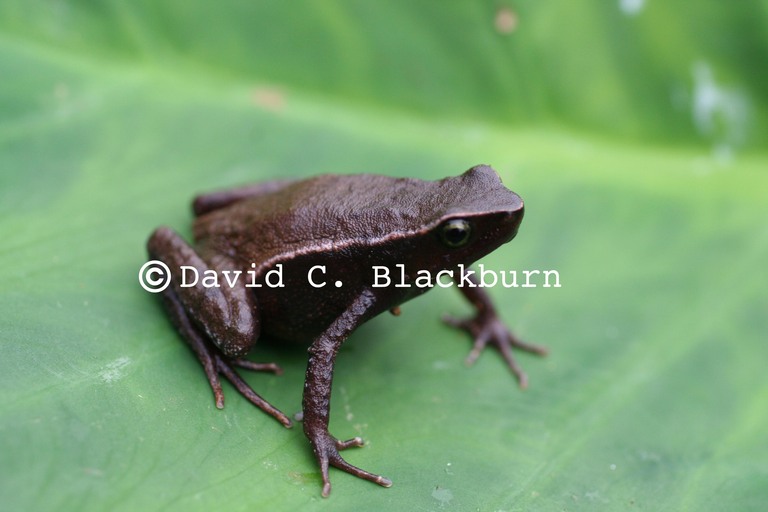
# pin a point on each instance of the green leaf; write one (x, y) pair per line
(655, 396)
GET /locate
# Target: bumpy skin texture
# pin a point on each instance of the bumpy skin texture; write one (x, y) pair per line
(348, 224)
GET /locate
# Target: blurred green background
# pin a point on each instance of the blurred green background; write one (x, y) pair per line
(634, 129)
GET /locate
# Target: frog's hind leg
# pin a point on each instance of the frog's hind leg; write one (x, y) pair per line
(215, 364)
(205, 203)
(217, 323)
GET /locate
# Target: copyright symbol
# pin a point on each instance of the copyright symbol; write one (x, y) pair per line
(154, 276)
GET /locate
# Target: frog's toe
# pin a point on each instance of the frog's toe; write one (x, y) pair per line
(326, 448)
(224, 367)
(256, 367)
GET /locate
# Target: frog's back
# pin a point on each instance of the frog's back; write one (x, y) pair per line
(334, 210)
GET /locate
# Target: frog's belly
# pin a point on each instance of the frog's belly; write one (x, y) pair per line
(298, 312)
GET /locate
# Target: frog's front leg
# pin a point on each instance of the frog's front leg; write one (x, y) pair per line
(218, 323)
(317, 393)
(486, 327)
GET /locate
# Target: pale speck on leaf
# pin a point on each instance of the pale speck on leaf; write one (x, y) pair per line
(113, 371)
(506, 20)
(444, 496)
(269, 98)
(631, 7)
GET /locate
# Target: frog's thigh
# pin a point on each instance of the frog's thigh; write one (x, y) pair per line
(225, 313)
(215, 200)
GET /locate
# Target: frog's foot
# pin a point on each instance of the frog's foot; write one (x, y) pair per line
(215, 364)
(327, 447)
(224, 366)
(486, 328)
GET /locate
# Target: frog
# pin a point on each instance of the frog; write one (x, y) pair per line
(326, 234)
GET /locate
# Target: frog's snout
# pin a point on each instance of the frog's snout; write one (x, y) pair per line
(515, 218)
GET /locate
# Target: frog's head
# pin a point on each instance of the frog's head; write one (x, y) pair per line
(472, 215)
(483, 215)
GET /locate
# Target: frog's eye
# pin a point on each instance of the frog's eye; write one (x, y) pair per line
(455, 232)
